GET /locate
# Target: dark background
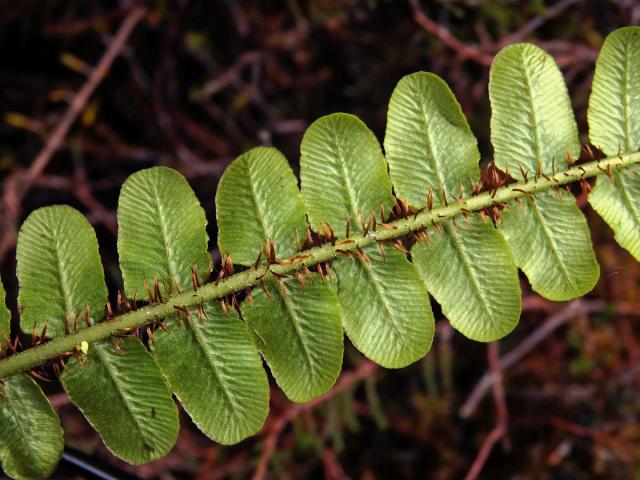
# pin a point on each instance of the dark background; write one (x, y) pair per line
(199, 82)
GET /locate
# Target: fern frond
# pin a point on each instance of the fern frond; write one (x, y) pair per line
(206, 330)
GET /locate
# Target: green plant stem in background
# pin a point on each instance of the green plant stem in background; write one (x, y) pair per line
(124, 323)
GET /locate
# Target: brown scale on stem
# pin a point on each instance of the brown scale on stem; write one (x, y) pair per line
(209, 273)
(365, 228)
(156, 291)
(443, 195)
(256, 264)
(467, 218)
(557, 193)
(149, 294)
(195, 278)
(538, 168)
(298, 242)
(328, 271)
(200, 314)
(76, 319)
(249, 295)
(174, 281)
(362, 223)
(270, 252)
(308, 243)
(398, 245)
(587, 150)
(524, 173)
(265, 289)
(87, 312)
(116, 346)
(150, 336)
(585, 186)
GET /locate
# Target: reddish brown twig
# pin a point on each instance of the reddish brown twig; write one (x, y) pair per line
(463, 50)
(502, 423)
(483, 54)
(17, 186)
(494, 436)
(536, 22)
(499, 397)
(80, 99)
(365, 369)
(528, 344)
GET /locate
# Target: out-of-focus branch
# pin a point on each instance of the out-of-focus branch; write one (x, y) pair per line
(464, 50)
(17, 185)
(514, 356)
(565, 54)
(502, 423)
(365, 370)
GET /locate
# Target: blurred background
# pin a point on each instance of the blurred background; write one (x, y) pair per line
(191, 84)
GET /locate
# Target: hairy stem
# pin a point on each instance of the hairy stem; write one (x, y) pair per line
(37, 355)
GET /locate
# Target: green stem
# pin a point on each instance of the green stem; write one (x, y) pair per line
(58, 346)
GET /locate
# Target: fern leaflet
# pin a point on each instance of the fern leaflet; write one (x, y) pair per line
(206, 330)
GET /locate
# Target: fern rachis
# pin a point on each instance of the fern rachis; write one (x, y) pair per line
(204, 340)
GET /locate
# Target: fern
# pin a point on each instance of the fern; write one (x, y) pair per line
(204, 342)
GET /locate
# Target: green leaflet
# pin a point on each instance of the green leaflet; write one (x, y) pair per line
(59, 271)
(614, 105)
(298, 330)
(215, 370)
(225, 395)
(617, 201)
(385, 307)
(471, 273)
(428, 141)
(60, 242)
(161, 231)
(299, 333)
(250, 187)
(554, 227)
(30, 434)
(125, 399)
(429, 144)
(532, 126)
(343, 173)
(614, 127)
